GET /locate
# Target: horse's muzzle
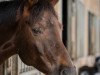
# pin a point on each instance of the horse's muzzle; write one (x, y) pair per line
(68, 71)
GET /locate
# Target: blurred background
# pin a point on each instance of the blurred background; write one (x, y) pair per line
(81, 36)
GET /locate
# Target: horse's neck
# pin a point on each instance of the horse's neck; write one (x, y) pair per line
(7, 49)
(7, 29)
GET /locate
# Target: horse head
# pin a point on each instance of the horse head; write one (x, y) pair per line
(39, 39)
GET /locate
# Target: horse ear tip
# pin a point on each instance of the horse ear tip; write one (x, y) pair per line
(33, 1)
(54, 2)
(36, 1)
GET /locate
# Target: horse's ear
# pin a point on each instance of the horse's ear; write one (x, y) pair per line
(53, 2)
(32, 2)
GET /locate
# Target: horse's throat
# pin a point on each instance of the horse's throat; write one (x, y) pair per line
(6, 50)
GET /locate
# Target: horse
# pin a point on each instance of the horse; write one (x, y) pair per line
(31, 29)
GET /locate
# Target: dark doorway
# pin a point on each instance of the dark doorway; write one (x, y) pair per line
(64, 20)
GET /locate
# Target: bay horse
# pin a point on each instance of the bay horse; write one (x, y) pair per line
(30, 28)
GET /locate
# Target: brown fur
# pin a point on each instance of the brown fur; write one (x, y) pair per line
(35, 36)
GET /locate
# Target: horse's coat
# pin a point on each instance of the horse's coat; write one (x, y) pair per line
(31, 29)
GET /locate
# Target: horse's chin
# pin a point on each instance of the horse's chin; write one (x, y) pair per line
(68, 71)
(65, 71)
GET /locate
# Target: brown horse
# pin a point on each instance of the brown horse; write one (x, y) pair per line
(30, 28)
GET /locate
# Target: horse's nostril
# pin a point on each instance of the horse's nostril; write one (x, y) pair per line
(63, 72)
(68, 71)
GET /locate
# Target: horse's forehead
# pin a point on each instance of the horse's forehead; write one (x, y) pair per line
(46, 18)
(51, 19)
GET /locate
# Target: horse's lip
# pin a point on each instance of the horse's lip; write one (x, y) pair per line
(68, 71)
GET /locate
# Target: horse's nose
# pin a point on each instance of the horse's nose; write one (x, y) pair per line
(68, 71)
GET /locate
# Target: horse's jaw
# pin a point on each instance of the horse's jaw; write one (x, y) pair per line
(65, 71)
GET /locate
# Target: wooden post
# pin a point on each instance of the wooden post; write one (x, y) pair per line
(69, 23)
(15, 65)
(2, 69)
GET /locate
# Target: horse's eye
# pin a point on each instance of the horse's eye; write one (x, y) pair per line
(37, 30)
